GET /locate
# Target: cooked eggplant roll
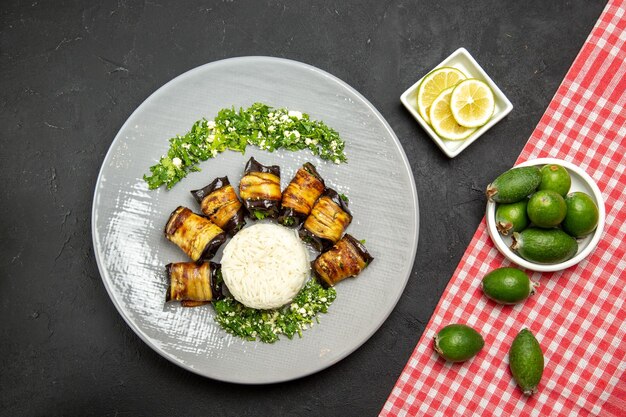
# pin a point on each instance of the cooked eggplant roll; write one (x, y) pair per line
(197, 236)
(300, 195)
(347, 258)
(193, 284)
(260, 190)
(219, 202)
(328, 220)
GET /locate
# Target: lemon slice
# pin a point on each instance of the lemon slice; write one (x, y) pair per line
(443, 122)
(472, 103)
(432, 85)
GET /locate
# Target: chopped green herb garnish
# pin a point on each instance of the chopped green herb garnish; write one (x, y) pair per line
(267, 325)
(344, 198)
(258, 125)
(362, 241)
(288, 221)
(260, 215)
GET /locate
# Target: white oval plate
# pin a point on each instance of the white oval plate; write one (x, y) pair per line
(581, 181)
(128, 219)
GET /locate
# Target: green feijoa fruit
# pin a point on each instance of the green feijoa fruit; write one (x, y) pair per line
(546, 208)
(582, 214)
(508, 285)
(546, 246)
(512, 217)
(526, 361)
(514, 185)
(458, 342)
(556, 178)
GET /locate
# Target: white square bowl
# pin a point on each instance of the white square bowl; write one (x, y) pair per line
(462, 60)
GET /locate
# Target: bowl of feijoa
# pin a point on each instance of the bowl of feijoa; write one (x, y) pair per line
(545, 214)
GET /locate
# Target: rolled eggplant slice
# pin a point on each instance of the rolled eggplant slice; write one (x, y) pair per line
(219, 202)
(328, 220)
(300, 196)
(259, 189)
(197, 236)
(193, 284)
(347, 258)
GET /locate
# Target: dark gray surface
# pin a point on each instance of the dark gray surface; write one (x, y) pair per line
(72, 72)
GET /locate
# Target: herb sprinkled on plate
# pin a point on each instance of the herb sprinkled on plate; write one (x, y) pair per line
(259, 125)
(267, 325)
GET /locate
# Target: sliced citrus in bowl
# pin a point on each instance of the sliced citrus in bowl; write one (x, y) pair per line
(472, 103)
(443, 122)
(432, 85)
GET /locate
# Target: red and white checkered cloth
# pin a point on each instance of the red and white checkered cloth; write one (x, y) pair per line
(578, 315)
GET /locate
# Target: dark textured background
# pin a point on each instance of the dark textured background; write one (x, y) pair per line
(73, 71)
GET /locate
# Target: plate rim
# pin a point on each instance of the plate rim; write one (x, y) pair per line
(344, 353)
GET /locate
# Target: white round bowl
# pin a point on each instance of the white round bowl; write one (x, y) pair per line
(581, 181)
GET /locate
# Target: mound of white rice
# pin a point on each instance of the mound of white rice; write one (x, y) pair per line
(265, 265)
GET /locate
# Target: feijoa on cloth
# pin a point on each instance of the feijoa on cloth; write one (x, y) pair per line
(508, 285)
(458, 342)
(526, 361)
